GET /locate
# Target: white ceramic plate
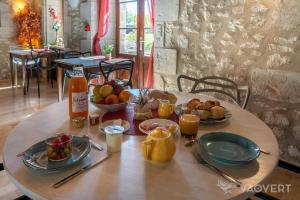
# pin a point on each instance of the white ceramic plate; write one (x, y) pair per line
(163, 122)
(125, 124)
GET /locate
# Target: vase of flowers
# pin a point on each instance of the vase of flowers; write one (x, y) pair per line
(56, 24)
(107, 49)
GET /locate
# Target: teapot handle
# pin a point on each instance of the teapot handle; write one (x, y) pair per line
(148, 145)
(172, 107)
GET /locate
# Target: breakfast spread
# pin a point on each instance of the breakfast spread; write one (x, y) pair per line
(211, 109)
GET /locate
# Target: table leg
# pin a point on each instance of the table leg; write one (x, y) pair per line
(12, 70)
(24, 75)
(60, 73)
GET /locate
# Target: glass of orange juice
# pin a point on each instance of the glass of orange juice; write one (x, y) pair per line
(189, 125)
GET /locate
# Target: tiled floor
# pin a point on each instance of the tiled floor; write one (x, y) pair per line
(14, 107)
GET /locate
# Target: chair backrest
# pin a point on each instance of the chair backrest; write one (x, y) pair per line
(35, 56)
(107, 67)
(76, 54)
(217, 84)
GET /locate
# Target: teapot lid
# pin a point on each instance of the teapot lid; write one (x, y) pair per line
(159, 133)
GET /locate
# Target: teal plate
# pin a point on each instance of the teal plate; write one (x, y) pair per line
(178, 111)
(36, 156)
(227, 148)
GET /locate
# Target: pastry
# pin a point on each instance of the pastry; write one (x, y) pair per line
(204, 106)
(213, 102)
(217, 112)
(203, 114)
(193, 104)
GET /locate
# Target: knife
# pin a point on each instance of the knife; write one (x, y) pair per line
(80, 171)
(217, 170)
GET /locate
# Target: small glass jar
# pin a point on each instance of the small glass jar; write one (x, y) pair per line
(189, 125)
(114, 137)
(94, 119)
(78, 122)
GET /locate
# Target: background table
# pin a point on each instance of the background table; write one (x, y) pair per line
(89, 66)
(126, 175)
(23, 55)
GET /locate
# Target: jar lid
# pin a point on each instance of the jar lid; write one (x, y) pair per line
(94, 115)
(78, 119)
(114, 129)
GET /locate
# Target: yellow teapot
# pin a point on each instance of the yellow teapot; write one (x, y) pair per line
(159, 146)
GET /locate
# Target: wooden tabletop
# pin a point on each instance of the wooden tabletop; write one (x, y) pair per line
(88, 62)
(126, 175)
(27, 52)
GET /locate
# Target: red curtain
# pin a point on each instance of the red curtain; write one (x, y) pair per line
(103, 14)
(149, 80)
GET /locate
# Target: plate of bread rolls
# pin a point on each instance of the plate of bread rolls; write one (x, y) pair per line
(210, 112)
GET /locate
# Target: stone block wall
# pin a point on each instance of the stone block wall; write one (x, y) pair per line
(74, 35)
(7, 33)
(253, 42)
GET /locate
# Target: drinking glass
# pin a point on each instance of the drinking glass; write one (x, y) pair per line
(189, 125)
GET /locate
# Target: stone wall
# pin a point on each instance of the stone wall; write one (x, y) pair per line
(74, 35)
(254, 42)
(7, 33)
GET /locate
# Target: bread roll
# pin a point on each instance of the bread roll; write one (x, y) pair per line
(217, 112)
(203, 114)
(193, 104)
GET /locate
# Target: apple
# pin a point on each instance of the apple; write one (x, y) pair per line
(106, 90)
(96, 89)
(98, 98)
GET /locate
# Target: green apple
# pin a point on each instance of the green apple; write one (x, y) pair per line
(98, 98)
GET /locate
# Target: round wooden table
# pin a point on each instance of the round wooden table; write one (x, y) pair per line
(126, 175)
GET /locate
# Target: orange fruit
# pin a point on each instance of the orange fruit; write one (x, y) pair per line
(112, 99)
(124, 96)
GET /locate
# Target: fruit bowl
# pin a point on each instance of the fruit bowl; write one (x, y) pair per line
(59, 148)
(110, 107)
(110, 96)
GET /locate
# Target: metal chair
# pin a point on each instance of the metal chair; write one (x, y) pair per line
(106, 68)
(35, 57)
(68, 55)
(220, 85)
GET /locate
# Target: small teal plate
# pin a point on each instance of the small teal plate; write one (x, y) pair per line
(36, 156)
(228, 148)
(178, 111)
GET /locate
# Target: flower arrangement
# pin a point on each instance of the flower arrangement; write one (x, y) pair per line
(56, 23)
(87, 26)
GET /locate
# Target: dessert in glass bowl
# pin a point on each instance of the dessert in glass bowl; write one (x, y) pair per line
(59, 148)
